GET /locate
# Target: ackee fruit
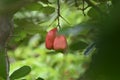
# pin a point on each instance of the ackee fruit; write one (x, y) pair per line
(50, 38)
(60, 43)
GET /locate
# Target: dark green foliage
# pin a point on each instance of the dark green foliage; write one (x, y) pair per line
(105, 63)
(39, 7)
(45, 1)
(48, 10)
(33, 7)
(78, 45)
(21, 72)
(8, 2)
(2, 64)
(39, 78)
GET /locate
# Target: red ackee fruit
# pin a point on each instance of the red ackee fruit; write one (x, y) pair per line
(60, 43)
(50, 38)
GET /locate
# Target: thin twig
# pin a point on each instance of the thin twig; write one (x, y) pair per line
(89, 4)
(7, 64)
(58, 13)
(64, 19)
(76, 4)
(59, 16)
(83, 7)
(95, 7)
(53, 21)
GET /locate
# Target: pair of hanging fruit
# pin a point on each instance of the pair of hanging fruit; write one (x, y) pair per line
(55, 41)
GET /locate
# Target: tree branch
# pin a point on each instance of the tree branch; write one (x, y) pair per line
(95, 7)
(5, 31)
(7, 10)
(13, 7)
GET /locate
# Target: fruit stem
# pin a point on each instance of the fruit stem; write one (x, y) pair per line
(58, 13)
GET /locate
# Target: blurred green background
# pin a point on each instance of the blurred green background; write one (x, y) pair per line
(27, 45)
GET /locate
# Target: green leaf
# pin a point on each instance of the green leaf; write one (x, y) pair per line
(48, 10)
(39, 78)
(78, 45)
(21, 72)
(45, 1)
(96, 15)
(8, 2)
(2, 63)
(92, 13)
(1, 78)
(34, 7)
(28, 27)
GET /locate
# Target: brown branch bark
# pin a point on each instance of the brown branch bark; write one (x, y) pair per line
(5, 30)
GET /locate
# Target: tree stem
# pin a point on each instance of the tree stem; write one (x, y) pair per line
(5, 30)
(58, 13)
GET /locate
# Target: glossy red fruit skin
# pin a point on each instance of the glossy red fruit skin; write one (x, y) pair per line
(50, 38)
(60, 43)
